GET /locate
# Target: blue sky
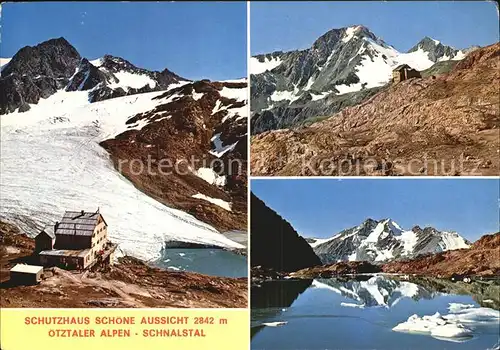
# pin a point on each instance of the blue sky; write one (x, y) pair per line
(323, 207)
(295, 25)
(195, 40)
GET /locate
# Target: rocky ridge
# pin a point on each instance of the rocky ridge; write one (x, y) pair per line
(288, 88)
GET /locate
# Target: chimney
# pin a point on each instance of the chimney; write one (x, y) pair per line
(56, 226)
(82, 212)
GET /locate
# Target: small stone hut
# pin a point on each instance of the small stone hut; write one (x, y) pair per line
(403, 72)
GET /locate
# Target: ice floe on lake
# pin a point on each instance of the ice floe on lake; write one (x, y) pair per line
(275, 324)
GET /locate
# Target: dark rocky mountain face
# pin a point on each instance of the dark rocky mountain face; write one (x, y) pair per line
(39, 71)
(384, 240)
(344, 67)
(36, 72)
(274, 242)
(55, 58)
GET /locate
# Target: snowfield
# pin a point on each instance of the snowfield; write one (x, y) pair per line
(129, 80)
(220, 149)
(51, 162)
(210, 176)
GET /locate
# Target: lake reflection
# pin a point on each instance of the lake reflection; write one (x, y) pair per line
(360, 313)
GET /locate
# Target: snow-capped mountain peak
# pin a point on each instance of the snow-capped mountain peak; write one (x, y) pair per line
(383, 240)
(38, 72)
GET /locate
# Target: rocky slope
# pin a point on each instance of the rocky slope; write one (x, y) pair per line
(36, 72)
(129, 283)
(274, 243)
(182, 143)
(384, 240)
(481, 259)
(287, 88)
(441, 125)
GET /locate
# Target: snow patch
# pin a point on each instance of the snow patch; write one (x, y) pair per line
(323, 240)
(241, 112)
(320, 96)
(219, 149)
(349, 33)
(97, 62)
(129, 80)
(197, 95)
(218, 107)
(309, 84)
(452, 241)
(257, 67)
(210, 176)
(285, 95)
(238, 94)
